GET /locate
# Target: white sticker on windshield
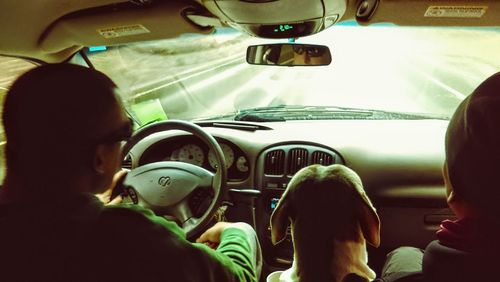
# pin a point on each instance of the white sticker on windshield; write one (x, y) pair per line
(455, 11)
(120, 31)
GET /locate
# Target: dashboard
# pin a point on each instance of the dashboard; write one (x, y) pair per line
(399, 162)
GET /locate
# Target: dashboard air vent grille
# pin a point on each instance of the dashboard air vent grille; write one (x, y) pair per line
(297, 160)
(322, 158)
(127, 162)
(275, 163)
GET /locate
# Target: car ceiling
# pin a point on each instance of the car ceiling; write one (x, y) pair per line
(53, 30)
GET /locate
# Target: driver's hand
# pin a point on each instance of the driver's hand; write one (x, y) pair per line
(105, 196)
(211, 237)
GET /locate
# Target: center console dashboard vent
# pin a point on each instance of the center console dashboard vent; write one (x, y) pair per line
(275, 163)
(322, 158)
(297, 159)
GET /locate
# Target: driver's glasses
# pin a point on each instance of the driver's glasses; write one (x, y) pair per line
(121, 134)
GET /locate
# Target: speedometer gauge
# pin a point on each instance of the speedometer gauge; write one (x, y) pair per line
(228, 155)
(191, 153)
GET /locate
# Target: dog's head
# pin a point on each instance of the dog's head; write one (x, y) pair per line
(328, 201)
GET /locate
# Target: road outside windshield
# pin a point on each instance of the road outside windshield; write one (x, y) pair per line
(411, 70)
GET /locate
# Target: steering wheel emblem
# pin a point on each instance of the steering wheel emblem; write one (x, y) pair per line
(165, 181)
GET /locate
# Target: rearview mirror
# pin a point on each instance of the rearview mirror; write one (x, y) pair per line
(289, 54)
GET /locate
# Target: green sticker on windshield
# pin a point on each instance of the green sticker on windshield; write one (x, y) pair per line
(149, 111)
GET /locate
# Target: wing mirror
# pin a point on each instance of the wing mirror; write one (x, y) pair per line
(289, 54)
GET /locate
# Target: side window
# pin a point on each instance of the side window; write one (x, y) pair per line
(10, 70)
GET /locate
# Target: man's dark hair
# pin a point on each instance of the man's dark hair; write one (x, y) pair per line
(473, 147)
(51, 116)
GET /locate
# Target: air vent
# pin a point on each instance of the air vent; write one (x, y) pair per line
(322, 158)
(127, 162)
(275, 163)
(297, 159)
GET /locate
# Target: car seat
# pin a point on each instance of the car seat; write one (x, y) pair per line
(441, 263)
(444, 264)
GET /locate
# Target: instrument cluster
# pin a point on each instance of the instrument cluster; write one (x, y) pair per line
(191, 150)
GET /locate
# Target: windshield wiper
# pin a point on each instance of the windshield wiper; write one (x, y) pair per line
(294, 112)
(284, 113)
(233, 125)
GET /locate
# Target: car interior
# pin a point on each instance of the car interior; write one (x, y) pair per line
(239, 95)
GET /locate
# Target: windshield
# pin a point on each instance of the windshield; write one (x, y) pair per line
(425, 71)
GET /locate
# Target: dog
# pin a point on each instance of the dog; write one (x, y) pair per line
(331, 218)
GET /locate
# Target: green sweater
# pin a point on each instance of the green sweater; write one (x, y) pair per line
(81, 240)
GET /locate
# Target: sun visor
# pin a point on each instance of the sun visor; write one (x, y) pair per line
(278, 18)
(428, 12)
(123, 23)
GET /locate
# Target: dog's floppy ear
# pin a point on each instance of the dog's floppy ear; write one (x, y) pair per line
(284, 211)
(368, 218)
(280, 219)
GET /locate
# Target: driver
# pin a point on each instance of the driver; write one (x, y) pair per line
(64, 125)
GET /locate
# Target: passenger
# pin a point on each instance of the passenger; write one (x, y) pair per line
(470, 244)
(63, 125)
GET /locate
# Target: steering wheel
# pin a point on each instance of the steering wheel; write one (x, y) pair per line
(170, 188)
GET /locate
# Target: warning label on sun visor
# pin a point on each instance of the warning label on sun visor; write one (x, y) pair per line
(455, 11)
(120, 31)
